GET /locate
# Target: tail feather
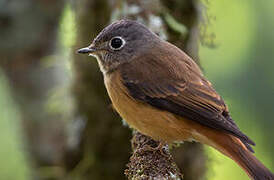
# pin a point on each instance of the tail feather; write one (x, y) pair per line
(237, 151)
(254, 168)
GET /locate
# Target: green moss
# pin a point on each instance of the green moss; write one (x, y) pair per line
(67, 31)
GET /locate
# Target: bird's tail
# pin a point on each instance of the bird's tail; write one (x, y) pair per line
(236, 150)
(252, 166)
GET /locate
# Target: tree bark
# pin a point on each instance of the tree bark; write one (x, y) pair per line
(105, 144)
(28, 31)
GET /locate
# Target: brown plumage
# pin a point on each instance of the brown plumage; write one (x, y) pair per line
(161, 92)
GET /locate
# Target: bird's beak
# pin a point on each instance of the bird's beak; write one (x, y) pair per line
(86, 50)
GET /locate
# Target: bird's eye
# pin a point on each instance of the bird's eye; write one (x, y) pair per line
(117, 43)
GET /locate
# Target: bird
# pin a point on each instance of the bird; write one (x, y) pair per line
(161, 92)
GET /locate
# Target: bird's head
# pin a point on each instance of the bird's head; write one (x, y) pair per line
(119, 43)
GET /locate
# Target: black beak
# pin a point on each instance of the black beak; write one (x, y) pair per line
(86, 50)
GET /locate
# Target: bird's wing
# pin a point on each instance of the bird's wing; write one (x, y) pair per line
(175, 83)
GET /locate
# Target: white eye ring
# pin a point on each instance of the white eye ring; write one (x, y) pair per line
(122, 45)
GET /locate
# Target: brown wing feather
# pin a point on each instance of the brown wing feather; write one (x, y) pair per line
(174, 83)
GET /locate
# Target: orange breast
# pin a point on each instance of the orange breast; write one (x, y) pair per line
(158, 124)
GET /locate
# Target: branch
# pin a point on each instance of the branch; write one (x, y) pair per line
(147, 163)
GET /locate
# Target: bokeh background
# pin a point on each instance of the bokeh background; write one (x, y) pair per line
(236, 55)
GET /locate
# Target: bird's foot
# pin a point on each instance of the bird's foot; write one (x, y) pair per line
(162, 148)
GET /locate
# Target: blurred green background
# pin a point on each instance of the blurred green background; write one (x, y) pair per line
(241, 67)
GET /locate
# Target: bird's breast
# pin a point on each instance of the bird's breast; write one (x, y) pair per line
(158, 124)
